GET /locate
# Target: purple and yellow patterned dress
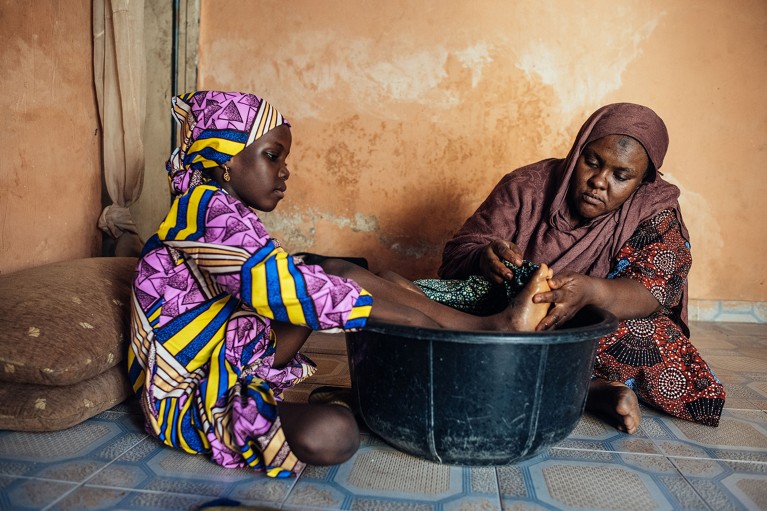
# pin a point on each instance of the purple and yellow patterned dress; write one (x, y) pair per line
(207, 288)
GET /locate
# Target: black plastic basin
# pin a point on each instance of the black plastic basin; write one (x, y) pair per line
(475, 398)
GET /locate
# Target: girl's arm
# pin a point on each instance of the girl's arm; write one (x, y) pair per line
(231, 247)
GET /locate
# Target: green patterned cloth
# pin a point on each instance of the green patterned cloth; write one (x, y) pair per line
(476, 294)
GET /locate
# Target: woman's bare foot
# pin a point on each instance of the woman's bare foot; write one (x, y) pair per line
(524, 314)
(615, 402)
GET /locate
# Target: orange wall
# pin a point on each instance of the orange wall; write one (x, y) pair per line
(406, 113)
(50, 191)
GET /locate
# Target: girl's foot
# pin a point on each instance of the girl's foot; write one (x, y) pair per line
(524, 314)
(615, 402)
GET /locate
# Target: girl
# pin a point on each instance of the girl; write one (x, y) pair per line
(220, 310)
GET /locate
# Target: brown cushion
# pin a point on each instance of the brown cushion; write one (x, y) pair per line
(26, 407)
(66, 322)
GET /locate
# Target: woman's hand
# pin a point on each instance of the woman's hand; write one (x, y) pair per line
(570, 291)
(491, 260)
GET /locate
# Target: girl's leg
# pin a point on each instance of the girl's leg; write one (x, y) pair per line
(400, 280)
(396, 303)
(319, 434)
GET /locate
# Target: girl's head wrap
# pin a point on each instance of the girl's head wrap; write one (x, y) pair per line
(214, 126)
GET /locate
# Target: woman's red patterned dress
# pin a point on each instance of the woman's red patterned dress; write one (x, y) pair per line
(653, 355)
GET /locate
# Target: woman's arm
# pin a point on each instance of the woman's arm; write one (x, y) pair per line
(570, 291)
(648, 274)
(485, 238)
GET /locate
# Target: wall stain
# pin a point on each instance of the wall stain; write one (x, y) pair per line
(344, 166)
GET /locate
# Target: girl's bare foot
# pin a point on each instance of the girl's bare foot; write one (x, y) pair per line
(525, 315)
(615, 402)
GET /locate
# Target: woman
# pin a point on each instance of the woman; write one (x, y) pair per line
(220, 310)
(612, 231)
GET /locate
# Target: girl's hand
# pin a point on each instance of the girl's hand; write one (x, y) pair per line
(570, 291)
(491, 260)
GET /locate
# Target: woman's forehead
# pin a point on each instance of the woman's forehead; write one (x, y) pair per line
(626, 148)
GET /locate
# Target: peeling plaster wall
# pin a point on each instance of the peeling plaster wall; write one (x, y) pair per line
(50, 192)
(407, 113)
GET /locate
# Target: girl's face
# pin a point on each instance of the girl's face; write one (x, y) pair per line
(607, 172)
(259, 172)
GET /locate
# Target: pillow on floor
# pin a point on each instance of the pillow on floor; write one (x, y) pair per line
(29, 407)
(66, 322)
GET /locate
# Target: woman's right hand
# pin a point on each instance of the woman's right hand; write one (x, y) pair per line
(492, 256)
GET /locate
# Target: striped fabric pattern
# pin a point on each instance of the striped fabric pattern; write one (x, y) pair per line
(207, 287)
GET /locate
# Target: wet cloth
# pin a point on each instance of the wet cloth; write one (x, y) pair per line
(207, 288)
(476, 294)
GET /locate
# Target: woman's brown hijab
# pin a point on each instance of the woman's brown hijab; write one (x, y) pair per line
(529, 206)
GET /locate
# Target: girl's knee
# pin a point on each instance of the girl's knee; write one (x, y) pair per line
(332, 438)
(348, 439)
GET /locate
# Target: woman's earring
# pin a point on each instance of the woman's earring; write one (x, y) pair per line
(227, 177)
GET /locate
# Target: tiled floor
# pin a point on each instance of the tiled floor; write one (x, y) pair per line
(108, 462)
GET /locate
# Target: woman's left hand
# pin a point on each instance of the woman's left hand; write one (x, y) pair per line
(570, 291)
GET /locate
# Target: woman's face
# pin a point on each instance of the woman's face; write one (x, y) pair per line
(259, 172)
(607, 172)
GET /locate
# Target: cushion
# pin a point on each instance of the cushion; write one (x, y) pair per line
(30, 407)
(65, 322)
